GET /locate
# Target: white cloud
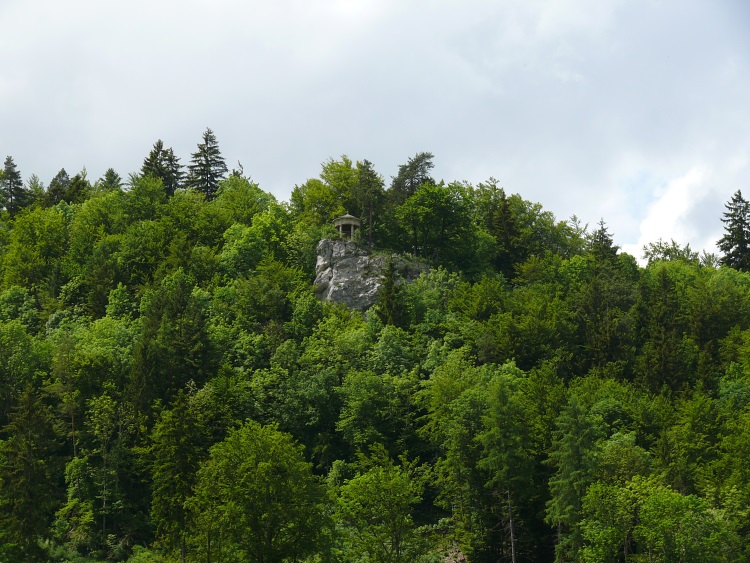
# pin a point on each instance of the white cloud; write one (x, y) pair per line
(667, 215)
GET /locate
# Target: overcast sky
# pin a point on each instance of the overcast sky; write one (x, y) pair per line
(634, 111)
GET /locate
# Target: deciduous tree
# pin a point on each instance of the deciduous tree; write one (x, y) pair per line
(256, 499)
(375, 510)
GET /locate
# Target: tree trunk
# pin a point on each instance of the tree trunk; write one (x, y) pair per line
(512, 529)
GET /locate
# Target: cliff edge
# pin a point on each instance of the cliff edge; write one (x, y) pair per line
(347, 274)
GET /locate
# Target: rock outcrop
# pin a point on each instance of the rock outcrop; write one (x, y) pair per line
(345, 273)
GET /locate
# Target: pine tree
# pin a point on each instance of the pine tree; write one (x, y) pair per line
(163, 164)
(13, 196)
(410, 176)
(735, 244)
(207, 167)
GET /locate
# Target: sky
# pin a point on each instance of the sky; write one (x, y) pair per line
(636, 112)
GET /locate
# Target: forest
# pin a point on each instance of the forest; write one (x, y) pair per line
(171, 389)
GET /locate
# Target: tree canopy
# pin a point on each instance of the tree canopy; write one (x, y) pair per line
(171, 388)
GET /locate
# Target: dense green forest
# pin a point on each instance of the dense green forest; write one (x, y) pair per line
(172, 390)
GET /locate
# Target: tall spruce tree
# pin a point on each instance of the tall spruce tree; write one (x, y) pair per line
(207, 167)
(735, 244)
(13, 196)
(162, 163)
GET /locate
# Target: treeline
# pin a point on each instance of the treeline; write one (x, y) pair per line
(171, 389)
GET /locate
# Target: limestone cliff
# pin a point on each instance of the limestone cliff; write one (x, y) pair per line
(345, 273)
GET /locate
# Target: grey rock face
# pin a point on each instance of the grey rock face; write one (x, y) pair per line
(345, 273)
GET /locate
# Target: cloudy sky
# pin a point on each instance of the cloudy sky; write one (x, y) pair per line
(634, 111)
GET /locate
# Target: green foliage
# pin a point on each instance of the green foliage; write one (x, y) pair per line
(315, 203)
(58, 188)
(342, 178)
(256, 499)
(110, 181)
(16, 303)
(22, 360)
(374, 510)
(176, 453)
(240, 199)
(162, 163)
(438, 222)
(646, 521)
(376, 409)
(35, 250)
(574, 456)
(173, 347)
(368, 194)
(207, 167)
(27, 476)
(13, 195)
(735, 244)
(566, 401)
(411, 176)
(670, 251)
(75, 524)
(246, 246)
(603, 302)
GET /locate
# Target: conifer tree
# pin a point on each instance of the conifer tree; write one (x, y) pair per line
(176, 438)
(207, 167)
(505, 230)
(735, 244)
(111, 180)
(602, 245)
(58, 188)
(410, 176)
(162, 163)
(13, 196)
(390, 307)
(369, 192)
(79, 188)
(35, 188)
(27, 491)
